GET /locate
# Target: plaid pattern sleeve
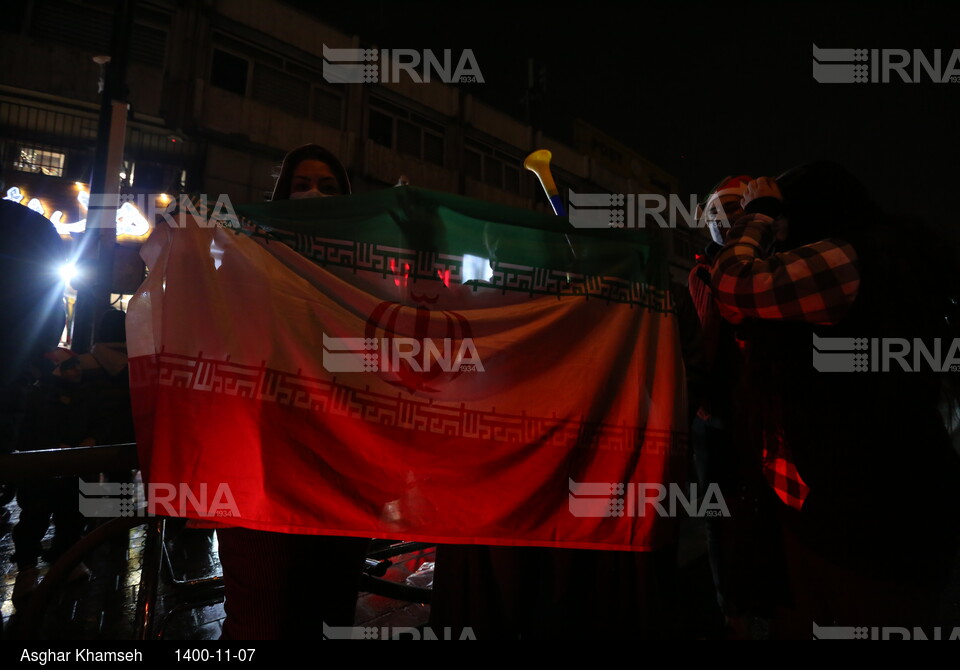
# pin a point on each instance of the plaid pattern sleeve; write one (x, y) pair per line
(816, 283)
(781, 474)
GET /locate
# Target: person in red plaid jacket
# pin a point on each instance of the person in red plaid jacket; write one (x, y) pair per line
(861, 460)
(743, 549)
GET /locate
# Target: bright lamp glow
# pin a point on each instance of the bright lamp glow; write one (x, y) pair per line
(67, 272)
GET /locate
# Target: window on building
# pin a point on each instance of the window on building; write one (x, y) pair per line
(381, 128)
(433, 149)
(409, 133)
(473, 164)
(274, 79)
(89, 27)
(492, 172)
(229, 72)
(409, 138)
(148, 45)
(71, 23)
(273, 87)
(495, 167)
(327, 108)
(511, 179)
(32, 159)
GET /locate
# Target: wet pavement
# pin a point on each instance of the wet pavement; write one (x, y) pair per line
(103, 606)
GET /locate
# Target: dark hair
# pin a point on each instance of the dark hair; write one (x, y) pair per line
(909, 286)
(822, 200)
(906, 269)
(308, 152)
(112, 327)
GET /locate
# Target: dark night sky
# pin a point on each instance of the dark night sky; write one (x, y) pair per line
(706, 91)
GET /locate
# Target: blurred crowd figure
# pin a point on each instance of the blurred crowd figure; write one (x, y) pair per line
(31, 313)
(49, 397)
(843, 483)
(60, 413)
(84, 400)
(106, 373)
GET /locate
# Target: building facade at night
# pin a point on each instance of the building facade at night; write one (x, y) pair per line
(219, 91)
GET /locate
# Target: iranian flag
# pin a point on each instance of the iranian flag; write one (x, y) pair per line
(408, 364)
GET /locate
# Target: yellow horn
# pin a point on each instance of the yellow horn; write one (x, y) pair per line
(539, 163)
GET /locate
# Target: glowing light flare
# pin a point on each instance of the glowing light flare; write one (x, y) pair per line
(68, 271)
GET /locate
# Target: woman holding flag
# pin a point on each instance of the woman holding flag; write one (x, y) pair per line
(270, 577)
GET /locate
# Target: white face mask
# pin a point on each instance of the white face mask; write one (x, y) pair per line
(715, 232)
(312, 193)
